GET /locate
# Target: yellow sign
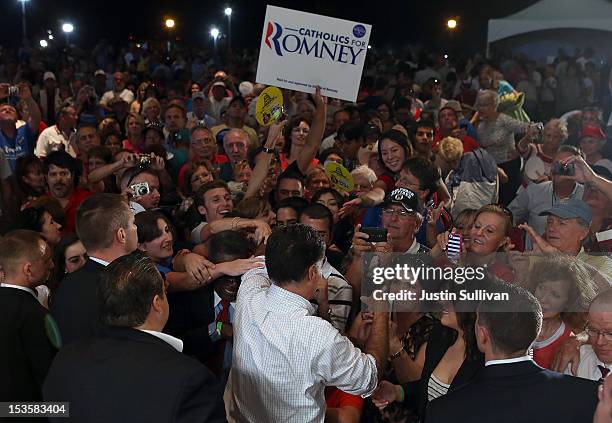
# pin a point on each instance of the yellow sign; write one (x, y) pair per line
(339, 176)
(269, 107)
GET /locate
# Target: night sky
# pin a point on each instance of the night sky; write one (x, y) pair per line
(395, 22)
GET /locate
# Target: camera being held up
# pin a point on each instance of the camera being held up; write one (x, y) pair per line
(563, 169)
(144, 161)
(539, 132)
(141, 189)
(13, 91)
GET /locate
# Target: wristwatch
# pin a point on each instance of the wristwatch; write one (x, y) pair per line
(214, 331)
(396, 355)
(268, 150)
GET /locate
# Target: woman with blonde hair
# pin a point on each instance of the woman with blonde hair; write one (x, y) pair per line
(488, 236)
(448, 155)
(141, 94)
(151, 110)
(134, 128)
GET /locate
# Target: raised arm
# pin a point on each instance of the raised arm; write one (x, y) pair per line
(98, 174)
(35, 117)
(315, 135)
(260, 172)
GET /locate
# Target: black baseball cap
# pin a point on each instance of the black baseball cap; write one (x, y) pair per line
(405, 198)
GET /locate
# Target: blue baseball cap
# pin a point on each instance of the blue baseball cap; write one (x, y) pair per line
(571, 209)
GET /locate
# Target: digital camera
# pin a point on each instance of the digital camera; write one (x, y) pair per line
(564, 169)
(539, 127)
(141, 189)
(144, 161)
(13, 90)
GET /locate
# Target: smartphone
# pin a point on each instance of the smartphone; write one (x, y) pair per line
(455, 245)
(375, 234)
(604, 236)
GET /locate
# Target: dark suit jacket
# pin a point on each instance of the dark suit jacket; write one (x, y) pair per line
(190, 314)
(440, 340)
(518, 392)
(25, 350)
(75, 305)
(132, 376)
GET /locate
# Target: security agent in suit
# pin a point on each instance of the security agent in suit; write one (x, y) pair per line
(134, 373)
(25, 350)
(105, 225)
(511, 387)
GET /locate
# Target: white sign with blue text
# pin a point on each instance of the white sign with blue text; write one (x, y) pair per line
(301, 50)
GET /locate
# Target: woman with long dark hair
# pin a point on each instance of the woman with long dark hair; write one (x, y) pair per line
(451, 356)
(30, 180)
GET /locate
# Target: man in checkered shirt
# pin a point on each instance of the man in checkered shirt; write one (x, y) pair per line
(284, 356)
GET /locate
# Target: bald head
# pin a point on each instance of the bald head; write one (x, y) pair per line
(602, 302)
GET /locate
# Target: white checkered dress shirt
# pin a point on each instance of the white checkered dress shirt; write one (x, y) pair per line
(284, 357)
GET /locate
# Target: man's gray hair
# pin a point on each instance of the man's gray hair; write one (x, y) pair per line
(237, 131)
(487, 96)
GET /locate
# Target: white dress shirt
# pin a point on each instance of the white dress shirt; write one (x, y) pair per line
(588, 365)
(175, 343)
(509, 360)
(284, 357)
(23, 288)
(97, 260)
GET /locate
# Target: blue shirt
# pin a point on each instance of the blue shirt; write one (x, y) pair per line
(20, 146)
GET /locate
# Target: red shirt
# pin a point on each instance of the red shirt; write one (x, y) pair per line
(389, 182)
(544, 356)
(468, 142)
(502, 271)
(335, 398)
(127, 145)
(76, 198)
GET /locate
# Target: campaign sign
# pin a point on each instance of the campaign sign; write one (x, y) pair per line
(339, 176)
(301, 50)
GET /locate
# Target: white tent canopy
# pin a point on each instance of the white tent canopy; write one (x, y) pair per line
(553, 14)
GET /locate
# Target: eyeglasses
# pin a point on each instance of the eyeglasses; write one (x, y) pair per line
(594, 333)
(398, 213)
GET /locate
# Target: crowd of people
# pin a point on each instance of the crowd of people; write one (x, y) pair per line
(166, 258)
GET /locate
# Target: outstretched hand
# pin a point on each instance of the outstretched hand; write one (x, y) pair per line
(540, 245)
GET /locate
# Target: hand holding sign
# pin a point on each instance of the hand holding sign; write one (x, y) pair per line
(269, 107)
(300, 51)
(339, 177)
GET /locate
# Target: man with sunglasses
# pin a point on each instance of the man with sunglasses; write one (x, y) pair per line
(596, 356)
